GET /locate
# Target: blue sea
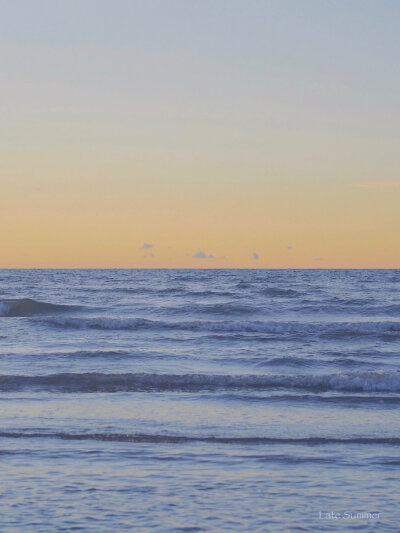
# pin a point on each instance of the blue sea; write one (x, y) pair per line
(199, 400)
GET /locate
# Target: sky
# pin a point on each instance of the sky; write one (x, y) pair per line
(199, 134)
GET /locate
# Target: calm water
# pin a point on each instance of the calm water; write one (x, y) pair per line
(177, 400)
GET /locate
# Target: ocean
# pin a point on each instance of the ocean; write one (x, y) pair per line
(199, 400)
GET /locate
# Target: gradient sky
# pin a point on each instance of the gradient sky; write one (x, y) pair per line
(188, 133)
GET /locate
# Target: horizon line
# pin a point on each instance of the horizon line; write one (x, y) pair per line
(200, 268)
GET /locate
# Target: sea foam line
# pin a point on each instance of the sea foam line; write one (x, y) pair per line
(181, 439)
(383, 381)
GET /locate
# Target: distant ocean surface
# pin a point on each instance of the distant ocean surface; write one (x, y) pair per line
(199, 400)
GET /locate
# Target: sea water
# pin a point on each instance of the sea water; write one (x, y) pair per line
(199, 400)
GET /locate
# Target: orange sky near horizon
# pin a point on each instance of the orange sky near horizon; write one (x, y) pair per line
(94, 220)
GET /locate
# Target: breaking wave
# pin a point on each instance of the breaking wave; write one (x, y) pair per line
(321, 329)
(382, 381)
(277, 292)
(29, 307)
(181, 439)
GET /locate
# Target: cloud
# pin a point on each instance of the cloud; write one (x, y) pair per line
(202, 255)
(290, 247)
(388, 184)
(319, 259)
(146, 246)
(256, 257)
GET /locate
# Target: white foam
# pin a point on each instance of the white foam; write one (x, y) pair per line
(384, 381)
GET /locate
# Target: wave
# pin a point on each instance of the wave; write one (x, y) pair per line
(181, 439)
(382, 381)
(210, 293)
(357, 399)
(244, 285)
(145, 290)
(155, 291)
(320, 329)
(277, 292)
(286, 361)
(186, 292)
(310, 306)
(220, 308)
(80, 354)
(28, 307)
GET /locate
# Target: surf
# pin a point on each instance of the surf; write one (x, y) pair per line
(29, 307)
(365, 381)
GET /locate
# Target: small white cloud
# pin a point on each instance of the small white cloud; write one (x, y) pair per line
(256, 257)
(202, 255)
(146, 246)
